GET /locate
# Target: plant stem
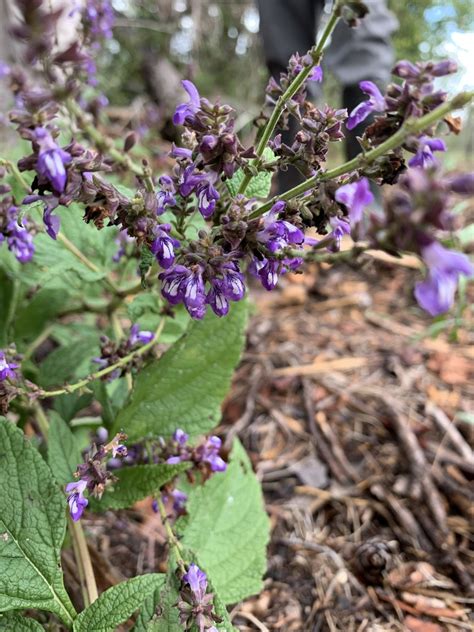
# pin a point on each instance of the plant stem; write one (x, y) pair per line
(13, 169)
(316, 54)
(81, 551)
(119, 334)
(328, 257)
(84, 562)
(70, 388)
(173, 541)
(105, 144)
(410, 126)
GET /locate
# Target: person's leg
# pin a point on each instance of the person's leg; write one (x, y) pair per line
(362, 53)
(287, 27)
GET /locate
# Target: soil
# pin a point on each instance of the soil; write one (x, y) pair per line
(359, 425)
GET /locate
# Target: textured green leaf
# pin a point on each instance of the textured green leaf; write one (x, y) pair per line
(185, 387)
(32, 528)
(69, 362)
(14, 622)
(137, 482)
(228, 530)
(63, 452)
(165, 614)
(117, 604)
(259, 186)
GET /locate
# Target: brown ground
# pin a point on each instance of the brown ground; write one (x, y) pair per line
(346, 407)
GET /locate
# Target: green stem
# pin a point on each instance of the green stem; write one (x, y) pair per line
(15, 172)
(173, 541)
(70, 388)
(105, 144)
(316, 54)
(84, 562)
(81, 551)
(316, 256)
(410, 126)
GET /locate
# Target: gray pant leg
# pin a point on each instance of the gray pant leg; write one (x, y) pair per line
(287, 27)
(364, 52)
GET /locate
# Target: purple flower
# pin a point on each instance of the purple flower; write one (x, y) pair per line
(232, 282)
(52, 160)
(136, 336)
(76, 500)
(179, 499)
(19, 240)
(316, 74)
(163, 246)
(424, 155)
(185, 285)
(275, 233)
(194, 297)
(209, 453)
(355, 197)
(171, 283)
(188, 180)
(7, 368)
(165, 196)
(267, 270)
(51, 222)
(180, 436)
(406, 70)
(217, 299)
(207, 197)
(185, 110)
(375, 103)
(436, 293)
(340, 227)
(197, 580)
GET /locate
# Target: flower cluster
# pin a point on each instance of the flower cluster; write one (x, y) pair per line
(8, 366)
(112, 353)
(195, 604)
(205, 456)
(418, 208)
(92, 475)
(235, 235)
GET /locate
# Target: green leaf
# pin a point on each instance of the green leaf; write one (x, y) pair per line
(69, 362)
(117, 604)
(137, 482)
(228, 530)
(14, 622)
(162, 605)
(63, 452)
(185, 387)
(32, 528)
(259, 186)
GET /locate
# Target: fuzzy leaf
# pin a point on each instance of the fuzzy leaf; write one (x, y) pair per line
(259, 186)
(117, 604)
(63, 452)
(137, 482)
(185, 387)
(32, 528)
(228, 530)
(14, 622)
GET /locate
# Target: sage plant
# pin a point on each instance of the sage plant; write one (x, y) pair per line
(94, 241)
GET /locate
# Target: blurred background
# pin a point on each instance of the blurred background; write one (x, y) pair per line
(217, 44)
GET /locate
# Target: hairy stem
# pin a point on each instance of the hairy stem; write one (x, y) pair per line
(84, 562)
(105, 144)
(15, 172)
(410, 126)
(70, 388)
(81, 551)
(173, 541)
(316, 54)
